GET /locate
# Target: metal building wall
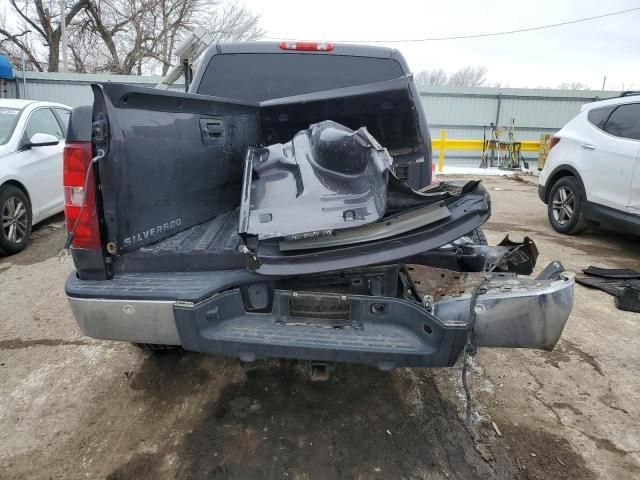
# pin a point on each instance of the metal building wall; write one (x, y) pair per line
(466, 112)
(72, 89)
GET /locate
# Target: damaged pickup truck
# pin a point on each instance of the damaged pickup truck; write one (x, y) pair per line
(293, 217)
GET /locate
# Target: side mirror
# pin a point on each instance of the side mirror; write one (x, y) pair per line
(42, 140)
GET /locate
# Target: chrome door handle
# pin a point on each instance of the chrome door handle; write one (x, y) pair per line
(587, 146)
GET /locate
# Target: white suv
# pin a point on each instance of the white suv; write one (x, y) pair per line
(592, 173)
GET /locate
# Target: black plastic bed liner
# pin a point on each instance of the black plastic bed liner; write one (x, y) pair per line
(212, 245)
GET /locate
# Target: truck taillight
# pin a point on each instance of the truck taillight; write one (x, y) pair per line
(307, 46)
(553, 142)
(79, 190)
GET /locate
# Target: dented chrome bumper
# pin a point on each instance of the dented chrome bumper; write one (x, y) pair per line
(515, 312)
(386, 332)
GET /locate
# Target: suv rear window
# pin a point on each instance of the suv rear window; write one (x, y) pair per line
(625, 122)
(599, 116)
(263, 76)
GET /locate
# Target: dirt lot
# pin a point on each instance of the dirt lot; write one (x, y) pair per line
(72, 407)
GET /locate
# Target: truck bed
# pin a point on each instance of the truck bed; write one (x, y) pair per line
(212, 245)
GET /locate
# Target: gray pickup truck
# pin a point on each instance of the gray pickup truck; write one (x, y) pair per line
(284, 208)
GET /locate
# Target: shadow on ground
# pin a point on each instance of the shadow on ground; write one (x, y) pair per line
(362, 423)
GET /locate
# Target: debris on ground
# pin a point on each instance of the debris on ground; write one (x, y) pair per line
(484, 452)
(623, 284)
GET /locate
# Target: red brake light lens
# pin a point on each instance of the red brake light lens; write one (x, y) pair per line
(76, 160)
(307, 46)
(553, 142)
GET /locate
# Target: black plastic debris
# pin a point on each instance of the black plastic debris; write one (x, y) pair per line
(623, 284)
(629, 299)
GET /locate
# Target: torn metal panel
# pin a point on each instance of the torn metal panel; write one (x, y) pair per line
(507, 256)
(468, 211)
(328, 177)
(388, 228)
(305, 205)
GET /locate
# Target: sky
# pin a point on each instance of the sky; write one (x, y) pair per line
(583, 52)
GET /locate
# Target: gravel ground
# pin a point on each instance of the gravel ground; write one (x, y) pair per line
(72, 407)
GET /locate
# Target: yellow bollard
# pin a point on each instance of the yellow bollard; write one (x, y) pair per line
(443, 139)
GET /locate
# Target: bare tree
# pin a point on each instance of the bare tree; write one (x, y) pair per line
(468, 77)
(573, 86)
(137, 35)
(17, 46)
(428, 78)
(40, 18)
(120, 36)
(232, 22)
(226, 22)
(465, 77)
(173, 19)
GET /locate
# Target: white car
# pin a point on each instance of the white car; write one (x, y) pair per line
(592, 173)
(31, 143)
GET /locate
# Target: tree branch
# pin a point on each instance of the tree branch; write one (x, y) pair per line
(16, 41)
(34, 25)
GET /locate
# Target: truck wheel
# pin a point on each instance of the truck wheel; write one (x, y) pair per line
(156, 347)
(15, 212)
(565, 207)
(478, 237)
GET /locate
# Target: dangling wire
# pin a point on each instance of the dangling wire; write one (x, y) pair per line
(67, 243)
(469, 351)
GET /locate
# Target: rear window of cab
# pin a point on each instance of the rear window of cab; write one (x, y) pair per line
(264, 76)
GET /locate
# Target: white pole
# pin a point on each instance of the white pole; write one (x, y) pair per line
(63, 32)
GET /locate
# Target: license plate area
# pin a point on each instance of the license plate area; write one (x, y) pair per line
(329, 311)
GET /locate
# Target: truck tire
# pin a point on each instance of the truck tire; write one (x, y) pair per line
(16, 215)
(565, 207)
(156, 347)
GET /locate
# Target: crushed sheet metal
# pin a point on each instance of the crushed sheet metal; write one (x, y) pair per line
(514, 312)
(439, 283)
(393, 226)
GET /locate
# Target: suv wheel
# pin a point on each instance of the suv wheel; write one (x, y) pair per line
(15, 214)
(565, 207)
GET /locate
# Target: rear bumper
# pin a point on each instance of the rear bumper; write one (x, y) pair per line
(380, 331)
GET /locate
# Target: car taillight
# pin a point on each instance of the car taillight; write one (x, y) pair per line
(307, 46)
(553, 142)
(82, 221)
